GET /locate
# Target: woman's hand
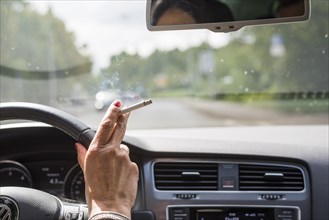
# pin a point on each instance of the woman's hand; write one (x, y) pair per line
(110, 176)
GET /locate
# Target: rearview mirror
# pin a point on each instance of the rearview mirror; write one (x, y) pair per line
(223, 15)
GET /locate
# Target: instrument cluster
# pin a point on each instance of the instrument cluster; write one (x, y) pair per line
(60, 178)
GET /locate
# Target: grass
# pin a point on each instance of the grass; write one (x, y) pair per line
(292, 106)
(306, 105)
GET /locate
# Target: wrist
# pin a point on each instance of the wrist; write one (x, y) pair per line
(108, 215)
(110, 207)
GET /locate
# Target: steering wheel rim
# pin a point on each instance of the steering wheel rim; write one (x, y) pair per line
(31, 203)
(49, 115)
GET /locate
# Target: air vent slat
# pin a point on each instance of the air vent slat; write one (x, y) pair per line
(183, 183)
(184, 170)
(267, 188)
(268, 183)
(262, 177)
(264, 171)
(174, 164)
(267, 167)
(203, 188)
(186, 176)
(273, 178)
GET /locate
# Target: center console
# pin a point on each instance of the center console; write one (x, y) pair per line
(214, 189)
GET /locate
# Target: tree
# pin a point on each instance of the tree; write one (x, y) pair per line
(245, 65)
(36, 46)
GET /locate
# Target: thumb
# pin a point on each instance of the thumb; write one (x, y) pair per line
(81, 151)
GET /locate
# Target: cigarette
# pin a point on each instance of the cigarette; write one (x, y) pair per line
(135, 106)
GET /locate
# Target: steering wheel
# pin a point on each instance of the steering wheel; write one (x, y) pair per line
(25, 203)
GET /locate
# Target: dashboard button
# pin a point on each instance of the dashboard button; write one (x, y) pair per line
(228, 183)
(178, 214)
(285, 214)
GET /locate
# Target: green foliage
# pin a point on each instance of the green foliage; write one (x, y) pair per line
(32, 41)
(294, 106)
(245, 65)
(35, 44)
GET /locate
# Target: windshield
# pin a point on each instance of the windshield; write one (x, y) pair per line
(79, 56)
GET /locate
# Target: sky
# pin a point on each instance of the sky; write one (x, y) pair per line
(110, 27)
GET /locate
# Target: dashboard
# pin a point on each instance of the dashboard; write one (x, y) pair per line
(43, 159)
(238, 173)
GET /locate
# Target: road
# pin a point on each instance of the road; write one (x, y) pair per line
(163, 113)
(187, 112)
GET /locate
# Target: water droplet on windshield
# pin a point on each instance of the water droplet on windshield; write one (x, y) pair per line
(246, 89)
(323, 52)
(245, 72)
(12, 48)
(326, 36)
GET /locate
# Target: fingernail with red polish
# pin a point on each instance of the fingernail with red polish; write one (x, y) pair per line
(117, 103)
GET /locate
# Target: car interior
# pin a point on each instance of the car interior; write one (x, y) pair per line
(270, 166)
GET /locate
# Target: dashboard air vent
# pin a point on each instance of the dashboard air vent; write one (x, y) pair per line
(186, 176)
(270, 178)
